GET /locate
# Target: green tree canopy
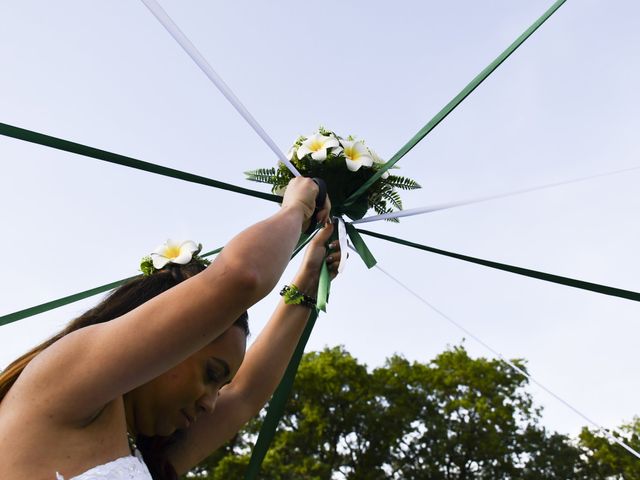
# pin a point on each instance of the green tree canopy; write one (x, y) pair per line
(606, 460)
(454, 418)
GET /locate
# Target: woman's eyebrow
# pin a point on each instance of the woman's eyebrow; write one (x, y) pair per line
(223, 364)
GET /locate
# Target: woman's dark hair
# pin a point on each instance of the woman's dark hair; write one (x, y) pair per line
(120, 301)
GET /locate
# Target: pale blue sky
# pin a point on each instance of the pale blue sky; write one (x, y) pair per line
(563, 106)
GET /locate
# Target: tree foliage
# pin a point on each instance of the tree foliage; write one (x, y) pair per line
(454, 418)
(608, 460)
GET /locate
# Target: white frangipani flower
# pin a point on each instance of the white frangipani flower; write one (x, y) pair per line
(175, 252)
(356, 155)
(376, 159)
(374, 156)
(317, 145)
(290, 153)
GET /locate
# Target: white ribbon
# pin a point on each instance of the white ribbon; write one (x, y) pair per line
(195, 55)
(603, 430)
(444, 206)
(415, 211)
(343, 241)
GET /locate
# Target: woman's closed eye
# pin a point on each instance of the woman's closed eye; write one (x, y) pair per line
(213, 376)
(217, 371)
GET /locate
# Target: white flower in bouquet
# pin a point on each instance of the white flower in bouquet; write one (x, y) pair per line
(175, 252)
(314, 150)
(356, 155)
(317, 145)
(290, 153)
(376, 159)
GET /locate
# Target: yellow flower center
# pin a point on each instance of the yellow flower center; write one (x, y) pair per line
(316, 145)
(172, 252)
(351, 153)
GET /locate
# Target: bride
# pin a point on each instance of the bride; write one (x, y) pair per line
(161, 361)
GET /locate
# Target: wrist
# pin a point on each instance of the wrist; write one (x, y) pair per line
(298, 209)
(292, 295)
(298, 213)
(307, 282)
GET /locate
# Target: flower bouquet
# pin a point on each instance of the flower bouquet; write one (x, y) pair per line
(345, 165)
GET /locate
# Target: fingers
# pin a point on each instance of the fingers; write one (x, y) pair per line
(325, 212)
(333, 259)
(301, 193)
(323, 236)
(334, 254)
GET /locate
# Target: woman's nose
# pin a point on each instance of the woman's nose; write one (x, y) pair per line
(207, 402)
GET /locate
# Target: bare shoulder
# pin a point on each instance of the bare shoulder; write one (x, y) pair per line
(33, 393)
(83, 371)
(70, 450)
(39, 391)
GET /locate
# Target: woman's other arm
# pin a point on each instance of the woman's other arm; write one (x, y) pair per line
(262, 369)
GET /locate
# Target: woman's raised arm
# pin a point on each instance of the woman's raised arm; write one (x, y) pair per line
(96, 364)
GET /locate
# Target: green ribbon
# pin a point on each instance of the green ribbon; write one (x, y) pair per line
(548, 277)
(281, 395)
(45, 307)
(361, 247)
(449, 107)
(302, 242)
(67, 146)
(278, 403)
(323, 288)
(60, 302)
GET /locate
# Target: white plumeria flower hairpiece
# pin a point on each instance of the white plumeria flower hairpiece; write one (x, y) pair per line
(174, 252)
(317, 145)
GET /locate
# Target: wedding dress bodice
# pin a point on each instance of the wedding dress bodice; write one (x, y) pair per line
(124, 468)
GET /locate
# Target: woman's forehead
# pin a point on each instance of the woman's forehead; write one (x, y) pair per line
(229, 346)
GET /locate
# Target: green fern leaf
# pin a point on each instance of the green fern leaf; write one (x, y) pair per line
(403, 183)
(381, 208)
(263, 175)
(394, 199)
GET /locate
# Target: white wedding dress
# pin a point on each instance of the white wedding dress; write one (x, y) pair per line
(124, 468)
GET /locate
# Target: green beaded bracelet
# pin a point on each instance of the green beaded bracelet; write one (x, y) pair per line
(293, 296)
